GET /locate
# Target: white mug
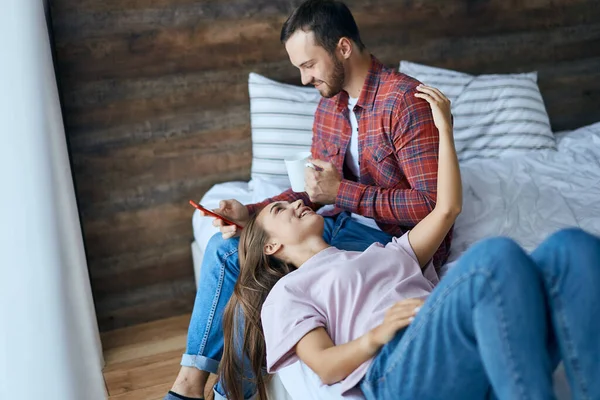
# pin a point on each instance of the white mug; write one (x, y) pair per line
(295, 168)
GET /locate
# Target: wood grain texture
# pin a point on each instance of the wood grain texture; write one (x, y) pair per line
(156, 107)
(142, 361)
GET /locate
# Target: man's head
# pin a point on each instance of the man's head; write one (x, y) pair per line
(320, 37)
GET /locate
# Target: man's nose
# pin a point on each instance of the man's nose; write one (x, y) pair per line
(306, 78)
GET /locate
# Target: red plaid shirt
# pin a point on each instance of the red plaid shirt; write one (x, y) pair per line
(398, 151)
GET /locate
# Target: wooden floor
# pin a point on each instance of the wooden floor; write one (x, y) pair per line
(142, 361)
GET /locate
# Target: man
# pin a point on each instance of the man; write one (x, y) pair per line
(375, 146)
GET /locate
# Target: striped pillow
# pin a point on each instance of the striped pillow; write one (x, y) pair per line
(281, 118)
(494, 115)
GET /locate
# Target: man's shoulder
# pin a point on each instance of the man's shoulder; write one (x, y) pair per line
(394, 86)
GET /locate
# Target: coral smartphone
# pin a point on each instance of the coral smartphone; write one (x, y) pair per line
(213, 214)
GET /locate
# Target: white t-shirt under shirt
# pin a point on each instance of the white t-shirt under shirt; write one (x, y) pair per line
(352, 159)
(345, 292)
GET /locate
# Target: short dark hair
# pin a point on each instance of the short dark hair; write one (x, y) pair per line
(329, 20)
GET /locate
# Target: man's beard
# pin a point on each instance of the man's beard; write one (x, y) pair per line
(336, 80)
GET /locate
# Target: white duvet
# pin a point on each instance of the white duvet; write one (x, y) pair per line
(525, 198)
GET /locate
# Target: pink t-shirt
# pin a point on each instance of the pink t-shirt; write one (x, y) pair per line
(345, 292)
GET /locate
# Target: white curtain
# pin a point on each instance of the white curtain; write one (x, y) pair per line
(49, 342)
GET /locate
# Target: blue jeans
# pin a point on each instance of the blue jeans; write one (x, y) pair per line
(220, 269)
(498, 324)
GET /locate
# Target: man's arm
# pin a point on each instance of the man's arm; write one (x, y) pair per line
(415, 140)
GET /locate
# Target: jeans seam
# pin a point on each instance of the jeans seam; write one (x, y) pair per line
(367, 387)
(338, 227)
(571, 356)
(504, 326)
(213, 308)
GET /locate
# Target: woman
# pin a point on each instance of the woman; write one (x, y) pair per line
(499, 321)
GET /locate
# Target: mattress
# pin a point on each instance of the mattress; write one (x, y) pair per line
(525, 198)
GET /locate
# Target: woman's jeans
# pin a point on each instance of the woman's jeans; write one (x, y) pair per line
(498, 324)
(220, 269)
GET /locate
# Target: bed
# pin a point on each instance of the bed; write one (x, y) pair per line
(522, 197)
(520, 179)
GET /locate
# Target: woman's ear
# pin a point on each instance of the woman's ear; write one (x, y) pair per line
(272, 247)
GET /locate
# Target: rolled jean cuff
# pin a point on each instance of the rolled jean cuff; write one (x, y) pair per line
(219, 396)
(200, 362)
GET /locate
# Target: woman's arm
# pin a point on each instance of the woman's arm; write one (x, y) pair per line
(334, 363)
(425, 238)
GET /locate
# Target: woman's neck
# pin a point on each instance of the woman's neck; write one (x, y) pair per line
(309, 247)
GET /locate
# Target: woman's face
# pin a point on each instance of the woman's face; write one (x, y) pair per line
(289, 224)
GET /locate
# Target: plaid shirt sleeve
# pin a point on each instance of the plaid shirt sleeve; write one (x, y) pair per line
(416, 144)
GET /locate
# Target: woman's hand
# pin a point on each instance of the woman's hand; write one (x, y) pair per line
(440, 106)
(399, 316)
(236, 212)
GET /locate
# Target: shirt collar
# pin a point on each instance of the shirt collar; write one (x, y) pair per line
(366, 99)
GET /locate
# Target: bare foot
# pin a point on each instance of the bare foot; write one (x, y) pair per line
(190, 382)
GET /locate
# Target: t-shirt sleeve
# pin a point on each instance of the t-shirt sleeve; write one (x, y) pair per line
(286, 320)
(402, 243)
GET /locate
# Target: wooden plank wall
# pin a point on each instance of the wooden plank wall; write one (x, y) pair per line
(156, 107)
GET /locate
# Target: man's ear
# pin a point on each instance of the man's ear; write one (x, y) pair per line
(272, 247)
(345, 47)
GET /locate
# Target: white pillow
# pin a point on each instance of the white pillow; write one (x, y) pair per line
(281, 118)
(494, 115)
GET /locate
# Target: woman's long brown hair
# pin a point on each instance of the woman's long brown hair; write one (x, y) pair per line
(258, 274)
